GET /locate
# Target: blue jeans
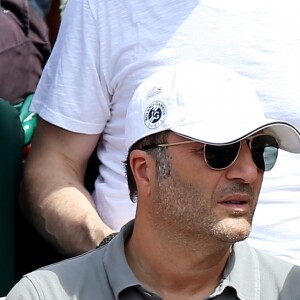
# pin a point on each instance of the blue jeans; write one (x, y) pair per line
(42, 7)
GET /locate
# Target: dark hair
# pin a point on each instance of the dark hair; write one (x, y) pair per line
(149, 144)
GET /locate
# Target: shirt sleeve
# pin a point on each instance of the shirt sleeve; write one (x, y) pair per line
(24, 289)
(72, 92)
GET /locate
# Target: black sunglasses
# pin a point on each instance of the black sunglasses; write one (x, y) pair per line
(264, 149)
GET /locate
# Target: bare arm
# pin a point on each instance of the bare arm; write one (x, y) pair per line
(53, 196)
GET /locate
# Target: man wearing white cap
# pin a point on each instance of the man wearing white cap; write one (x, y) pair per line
(198, 145)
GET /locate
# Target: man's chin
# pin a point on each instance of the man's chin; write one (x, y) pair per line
(234, 230)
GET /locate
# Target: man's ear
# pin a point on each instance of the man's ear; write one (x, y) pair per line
(143, 169)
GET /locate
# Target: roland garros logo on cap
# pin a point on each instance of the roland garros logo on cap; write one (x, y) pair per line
(155, 114)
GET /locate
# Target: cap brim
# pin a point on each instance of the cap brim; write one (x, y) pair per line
(287, 135)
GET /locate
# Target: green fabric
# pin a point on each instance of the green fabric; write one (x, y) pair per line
(11, 154)
(28, 119)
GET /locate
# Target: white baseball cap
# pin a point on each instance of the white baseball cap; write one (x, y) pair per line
(203, 102)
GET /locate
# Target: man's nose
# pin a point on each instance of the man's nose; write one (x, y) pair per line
(244, 168)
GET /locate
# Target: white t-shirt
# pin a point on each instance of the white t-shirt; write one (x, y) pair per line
(105, 49)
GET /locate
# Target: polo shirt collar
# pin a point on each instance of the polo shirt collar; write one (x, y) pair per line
(119, 273)
(241, 273)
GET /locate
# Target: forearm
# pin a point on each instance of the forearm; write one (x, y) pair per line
(61, 209)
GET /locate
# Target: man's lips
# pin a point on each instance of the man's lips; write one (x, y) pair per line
(236, 202)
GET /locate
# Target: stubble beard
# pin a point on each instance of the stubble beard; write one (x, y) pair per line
(187, 212)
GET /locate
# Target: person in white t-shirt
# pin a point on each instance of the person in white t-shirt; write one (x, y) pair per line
(104, 50)
(196, 174)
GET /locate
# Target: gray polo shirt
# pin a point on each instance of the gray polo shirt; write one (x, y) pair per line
(104, 274)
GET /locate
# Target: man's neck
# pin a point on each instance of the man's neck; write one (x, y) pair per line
(173, 271)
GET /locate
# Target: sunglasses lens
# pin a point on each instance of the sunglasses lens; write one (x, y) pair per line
(221, 157)
(264, 150)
